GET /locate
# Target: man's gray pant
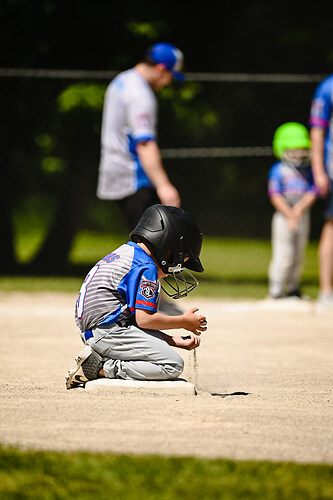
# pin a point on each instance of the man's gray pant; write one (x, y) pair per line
(132, 353)
(288, 248)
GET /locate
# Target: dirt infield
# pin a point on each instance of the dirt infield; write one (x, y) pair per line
(263, 375)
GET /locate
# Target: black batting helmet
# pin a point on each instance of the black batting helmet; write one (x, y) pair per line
(173, 235)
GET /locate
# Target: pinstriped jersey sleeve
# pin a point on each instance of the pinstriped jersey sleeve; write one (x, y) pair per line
(141, 113)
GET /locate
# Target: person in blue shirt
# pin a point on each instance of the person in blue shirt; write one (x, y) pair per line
(292, 192)
(117, 307)
(321, 133)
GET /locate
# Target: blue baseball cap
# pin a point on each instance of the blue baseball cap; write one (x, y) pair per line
(170, 56)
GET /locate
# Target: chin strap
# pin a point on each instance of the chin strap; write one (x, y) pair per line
(179, 283)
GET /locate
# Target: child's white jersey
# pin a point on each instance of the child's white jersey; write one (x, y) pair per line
(129, 117)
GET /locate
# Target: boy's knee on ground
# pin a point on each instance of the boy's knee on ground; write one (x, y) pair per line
(144, 370)
(177, 367)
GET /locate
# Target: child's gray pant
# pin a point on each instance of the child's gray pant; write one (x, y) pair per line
(288, 249)
(132, 353)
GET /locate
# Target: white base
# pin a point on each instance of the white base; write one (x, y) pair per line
(177, 386)
(285, 304)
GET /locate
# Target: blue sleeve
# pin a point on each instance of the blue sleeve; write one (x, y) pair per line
(140, 287)
(322, 103)
(275, 180)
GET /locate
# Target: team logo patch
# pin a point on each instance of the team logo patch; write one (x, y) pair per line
(144, 120)
(147, 289)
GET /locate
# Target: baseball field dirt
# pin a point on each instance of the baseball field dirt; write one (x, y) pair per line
(263, 375)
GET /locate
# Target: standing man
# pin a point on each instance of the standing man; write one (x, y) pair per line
(131, 169)
(321, 133)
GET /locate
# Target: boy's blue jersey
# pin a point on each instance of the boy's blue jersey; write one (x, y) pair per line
(119, 283)
(291, 182)
(321, 115)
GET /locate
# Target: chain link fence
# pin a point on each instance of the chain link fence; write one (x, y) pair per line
(216, 149)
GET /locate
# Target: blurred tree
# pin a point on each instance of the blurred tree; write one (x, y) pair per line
(73, 168)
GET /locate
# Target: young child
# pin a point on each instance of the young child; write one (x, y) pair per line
(116, 310)
(292, 192)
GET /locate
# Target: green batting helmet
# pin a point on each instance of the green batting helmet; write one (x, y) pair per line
(290, 135)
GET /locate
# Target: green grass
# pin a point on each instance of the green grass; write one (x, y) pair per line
(234, 268)
(40, 284)
(239, 268)
(51, 475)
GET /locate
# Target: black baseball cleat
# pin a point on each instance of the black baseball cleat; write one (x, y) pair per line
(295, 293)
(87, 366)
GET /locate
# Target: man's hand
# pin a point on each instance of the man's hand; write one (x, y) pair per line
(150, 159)
(322, 183)
(168, 195)
(317, 135)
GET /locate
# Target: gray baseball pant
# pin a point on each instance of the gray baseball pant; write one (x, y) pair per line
(288, 249)
(132, 353)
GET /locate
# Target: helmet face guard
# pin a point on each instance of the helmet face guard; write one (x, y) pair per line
(179, 284)
(297, 158)
(176, 243)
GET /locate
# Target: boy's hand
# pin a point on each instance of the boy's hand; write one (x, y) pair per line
(298, 211)
(189, 342)
(195, 323)
(292, 221)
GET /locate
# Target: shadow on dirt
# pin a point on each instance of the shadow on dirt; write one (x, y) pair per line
(232, 394)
